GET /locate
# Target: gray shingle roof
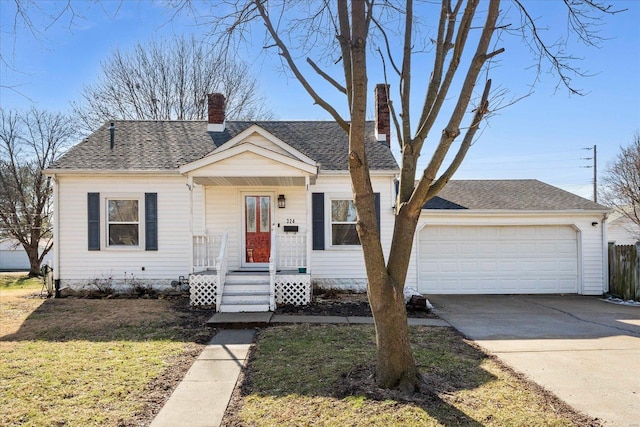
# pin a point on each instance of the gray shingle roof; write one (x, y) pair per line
(167, 145)
(528, 194)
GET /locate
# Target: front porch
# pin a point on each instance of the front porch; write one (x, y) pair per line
(285, 280)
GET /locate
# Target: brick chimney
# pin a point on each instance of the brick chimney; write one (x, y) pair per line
(217, 106)
(383, 119)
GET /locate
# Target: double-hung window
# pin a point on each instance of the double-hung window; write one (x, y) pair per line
(343, 223)
(123, 222)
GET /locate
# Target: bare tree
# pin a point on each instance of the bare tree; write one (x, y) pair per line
(462, 39)
(621, 182)
(169, 80)
(29, 142)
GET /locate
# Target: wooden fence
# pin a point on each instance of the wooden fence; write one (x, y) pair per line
(624, 271)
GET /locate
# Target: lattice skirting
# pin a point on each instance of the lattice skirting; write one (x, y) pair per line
(203, 289)
(293, 289)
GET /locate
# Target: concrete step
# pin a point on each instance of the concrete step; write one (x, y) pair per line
(246, 278)
(240, 320)
(239, 308)
(246, 288)
(245, 298)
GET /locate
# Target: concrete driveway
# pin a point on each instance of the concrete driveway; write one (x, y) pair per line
(584, 350)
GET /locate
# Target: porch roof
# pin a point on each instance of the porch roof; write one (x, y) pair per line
(249, 164)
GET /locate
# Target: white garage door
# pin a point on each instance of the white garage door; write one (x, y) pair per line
(497, 260)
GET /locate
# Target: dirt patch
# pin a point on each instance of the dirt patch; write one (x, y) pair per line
(334, 303)
(160, 388)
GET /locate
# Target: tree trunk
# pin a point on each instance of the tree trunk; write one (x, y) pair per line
(34, 261)
(395, 364)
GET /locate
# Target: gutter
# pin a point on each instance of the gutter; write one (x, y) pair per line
(53, 172)
(375, 172)
(56, 235)
(488, 212)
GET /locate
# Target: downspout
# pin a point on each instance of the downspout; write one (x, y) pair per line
(56, 235)
(605, 254)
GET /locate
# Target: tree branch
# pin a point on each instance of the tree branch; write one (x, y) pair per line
(480, 112)
(326, 76)
(451, 131)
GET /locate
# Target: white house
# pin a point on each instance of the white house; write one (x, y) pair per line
(621, 230)
(14, 258)
(255, 212)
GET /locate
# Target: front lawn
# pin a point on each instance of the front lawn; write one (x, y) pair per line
(19, 281)
(323, 375)
(82, 362)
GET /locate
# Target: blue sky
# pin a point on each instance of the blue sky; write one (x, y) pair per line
(543, 136)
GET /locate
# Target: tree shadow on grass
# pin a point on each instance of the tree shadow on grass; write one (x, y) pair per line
(69, 319)
(330, 367)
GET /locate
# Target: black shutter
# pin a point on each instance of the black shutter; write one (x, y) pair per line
(93, 215)
(377, 202)
(317, 215)
(151, 221)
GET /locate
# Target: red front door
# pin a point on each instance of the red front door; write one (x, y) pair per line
(257, 228)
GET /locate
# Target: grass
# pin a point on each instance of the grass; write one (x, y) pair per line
(19, 281)
(114, 362)
(323, 375)
(90, 362)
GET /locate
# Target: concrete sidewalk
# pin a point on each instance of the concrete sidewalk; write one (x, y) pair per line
(201, 399)
(250, 320)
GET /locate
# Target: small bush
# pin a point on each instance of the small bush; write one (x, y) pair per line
(101, 286)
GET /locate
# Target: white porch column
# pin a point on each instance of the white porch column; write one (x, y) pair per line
(307, 182)
(190, 188)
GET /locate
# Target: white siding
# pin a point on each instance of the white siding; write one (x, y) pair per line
(591, 260)
(247, 164)
(261, 141)
(623, 232)
(77, 265)
(348, 263)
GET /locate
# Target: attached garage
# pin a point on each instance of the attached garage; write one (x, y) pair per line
(510, 237)
(498, 259)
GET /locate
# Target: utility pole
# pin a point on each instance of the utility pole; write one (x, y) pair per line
(595, 170)
(595, 173)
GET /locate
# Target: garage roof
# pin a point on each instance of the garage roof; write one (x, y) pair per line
(526, 195)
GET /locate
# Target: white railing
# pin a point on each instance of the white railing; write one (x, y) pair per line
(291, 251)
(273, 256)
(221, 269)
(206, 250)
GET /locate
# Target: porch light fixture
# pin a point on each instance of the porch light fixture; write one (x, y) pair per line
(281, 201)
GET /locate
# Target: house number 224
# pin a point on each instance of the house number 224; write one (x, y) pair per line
(291, 221)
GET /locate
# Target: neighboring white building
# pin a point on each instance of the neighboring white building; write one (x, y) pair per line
(14, 258)
(621, 230)
(160, 200)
